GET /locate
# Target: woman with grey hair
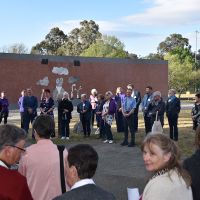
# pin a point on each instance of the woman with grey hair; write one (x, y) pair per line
(65, 107)
(12, 185)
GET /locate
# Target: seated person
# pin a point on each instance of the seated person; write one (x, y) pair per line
(80, 167)
(13, 185)
(192, 165)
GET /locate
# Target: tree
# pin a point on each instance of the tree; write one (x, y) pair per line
(108, 46)
(172, 42)
(18, 48)
(154, 56)
(81, 38)
(180, 70)
(53, 41)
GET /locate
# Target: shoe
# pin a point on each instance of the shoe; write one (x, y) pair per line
(110, 141)
(124, 143)
(131, 145)
(67, 138)
(105, 141)
(97, 131)
(62, 138)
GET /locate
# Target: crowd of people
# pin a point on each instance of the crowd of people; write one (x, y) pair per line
(45, 172)
(48, 171)
(123, 107)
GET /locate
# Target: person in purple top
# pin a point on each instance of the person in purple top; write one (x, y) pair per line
(4, 107)
(21, 108)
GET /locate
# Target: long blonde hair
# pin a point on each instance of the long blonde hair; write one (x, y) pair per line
(168, 146)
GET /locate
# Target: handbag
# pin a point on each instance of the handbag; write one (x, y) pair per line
(157, 127)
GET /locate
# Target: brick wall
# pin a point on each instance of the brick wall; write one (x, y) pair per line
(18, 72)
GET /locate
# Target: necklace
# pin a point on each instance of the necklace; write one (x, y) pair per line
(160, 172)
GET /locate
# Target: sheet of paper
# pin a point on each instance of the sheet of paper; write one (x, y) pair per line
(133, 193)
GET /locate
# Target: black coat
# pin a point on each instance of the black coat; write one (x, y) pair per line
(173, 107)
(65, 104)
(192, 165)
(153, 108)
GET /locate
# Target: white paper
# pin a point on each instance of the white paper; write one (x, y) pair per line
(133, 193)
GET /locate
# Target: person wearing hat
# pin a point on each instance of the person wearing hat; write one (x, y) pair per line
(156, 106)
(13, 185)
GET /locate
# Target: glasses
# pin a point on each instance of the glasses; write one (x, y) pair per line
(17, 147)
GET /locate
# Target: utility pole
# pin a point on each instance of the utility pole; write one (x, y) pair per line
(196, 46)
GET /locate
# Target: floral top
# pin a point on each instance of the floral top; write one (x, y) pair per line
(108, 118)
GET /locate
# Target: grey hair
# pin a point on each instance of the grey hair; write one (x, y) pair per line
(65, 93)
(83, 95)
(173, 91)
(93, 91)
(11, 135)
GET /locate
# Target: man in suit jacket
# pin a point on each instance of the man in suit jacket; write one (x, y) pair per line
(136, 95)
(80, 167)
(13, 186)
(172, 111)
(84, 108)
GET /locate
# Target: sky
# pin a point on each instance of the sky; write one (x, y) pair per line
(140, 24)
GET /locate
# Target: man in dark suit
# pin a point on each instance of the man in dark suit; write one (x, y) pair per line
(136, 95)
(13, 185)
(80, 167)
(172, 111)
(85, 110)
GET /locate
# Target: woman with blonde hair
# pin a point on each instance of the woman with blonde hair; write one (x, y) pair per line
(169, 180)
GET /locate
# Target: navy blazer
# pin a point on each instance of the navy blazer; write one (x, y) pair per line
(84, 106)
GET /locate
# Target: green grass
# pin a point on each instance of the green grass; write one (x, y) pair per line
(186, 134)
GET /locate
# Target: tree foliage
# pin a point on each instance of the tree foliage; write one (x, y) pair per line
(107, 46)
(53, 40)
(180, 69)
(18, 48)
(172, 42)
(81, 38)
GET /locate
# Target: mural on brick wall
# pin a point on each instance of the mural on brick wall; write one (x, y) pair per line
(59, 90)
(43, 82)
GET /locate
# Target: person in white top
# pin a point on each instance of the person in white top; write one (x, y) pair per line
(169, 180)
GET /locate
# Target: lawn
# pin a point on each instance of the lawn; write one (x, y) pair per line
(186, 134)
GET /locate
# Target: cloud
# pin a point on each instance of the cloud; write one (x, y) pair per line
(60, 71)
(43, 82)
(170, 12)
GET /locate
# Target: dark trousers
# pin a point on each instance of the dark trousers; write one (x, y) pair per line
(27, 119)
(59, 123)
(93, 116)
(65, 128)
(22, 119)
(147, 122)
(119, 121)
(107, 131)
(86, 126)
(135, 119)
(173, 121)
(3, 115)
(128, 124)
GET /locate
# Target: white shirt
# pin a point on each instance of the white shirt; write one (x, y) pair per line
(82, 183)
(3, 164)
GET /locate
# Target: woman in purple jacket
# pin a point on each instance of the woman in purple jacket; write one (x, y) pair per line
(109, 109)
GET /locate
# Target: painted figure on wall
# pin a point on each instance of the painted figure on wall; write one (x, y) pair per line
(59, 90)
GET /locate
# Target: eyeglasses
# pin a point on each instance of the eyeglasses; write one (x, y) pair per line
(17, 147)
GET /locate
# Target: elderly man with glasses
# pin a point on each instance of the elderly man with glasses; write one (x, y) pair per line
(13, 185)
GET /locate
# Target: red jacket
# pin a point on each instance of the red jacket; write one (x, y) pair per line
(13, 186)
